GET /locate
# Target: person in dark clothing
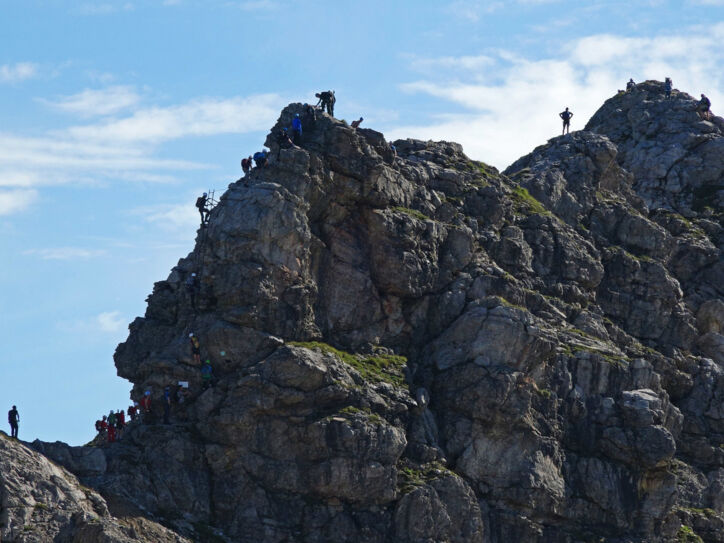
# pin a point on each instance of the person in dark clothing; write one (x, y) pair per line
(192, 285)
(132, 412)
(14, 420)
(355, 124)
(284, 141)
(668, 85)
(630, 85)
(703, 107)
(207, 374)
(310, 116)
(566, 116)
(246, 165)
(326, 99)
(167, 405)
(296, 132)
(201, 206)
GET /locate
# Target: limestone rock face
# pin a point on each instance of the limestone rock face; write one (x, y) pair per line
(419, 348)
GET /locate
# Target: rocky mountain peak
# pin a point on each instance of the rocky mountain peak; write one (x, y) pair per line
(409, 345)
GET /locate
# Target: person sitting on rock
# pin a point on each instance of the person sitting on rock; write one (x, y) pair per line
(195, 348)
(355, 124)
(201, 206)
(284, 141)
(702, 108)
(630, 85)
(296, 132)
(566, 116)
(668, 86)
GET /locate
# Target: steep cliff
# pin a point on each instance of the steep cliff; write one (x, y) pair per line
(420, 348)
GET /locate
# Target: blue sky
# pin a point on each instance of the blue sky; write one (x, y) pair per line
(115, 115)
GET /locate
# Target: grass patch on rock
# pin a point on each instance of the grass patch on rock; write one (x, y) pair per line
(527, 204)
(419, 215)
(687, 535)
(375, 368)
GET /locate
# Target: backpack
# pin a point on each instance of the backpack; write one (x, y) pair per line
(200, 202)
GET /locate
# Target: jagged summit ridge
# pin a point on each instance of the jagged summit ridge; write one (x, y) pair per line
(562, 344)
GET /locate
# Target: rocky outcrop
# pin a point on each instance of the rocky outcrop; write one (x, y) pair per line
(41, 502)
(420, 348)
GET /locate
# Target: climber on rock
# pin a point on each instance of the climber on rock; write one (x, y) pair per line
(195, 348)
(630, 85)
(167, 405)
(192, 285)
(326, 99)
(355, 124)
(146, 403)
(14, 420)
(207, 374)
(132, 412)
(246, 165)
(566, 116)
(296, 132)
(284, 141)
(260, 158)
(702, 108)
(668, 86)
(201, 206)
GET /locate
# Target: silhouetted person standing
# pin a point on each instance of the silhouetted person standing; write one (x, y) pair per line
(13, 419)
(566, 116)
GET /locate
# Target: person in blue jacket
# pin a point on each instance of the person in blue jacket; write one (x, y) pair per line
(296, 131)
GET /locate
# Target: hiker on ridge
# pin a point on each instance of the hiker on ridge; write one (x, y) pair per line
(566, 116)
(13, 419)
(668, 85)
(630, 85)
(355, 124)
(327, 99)
(702, 108)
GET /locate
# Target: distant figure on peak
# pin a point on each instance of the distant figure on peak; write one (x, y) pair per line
(260, 158)
(246, 165)
(201, 206)
(296, 129)
(13, 419)
(702, 108)
(195, 348)
(566, 116)
(355, 124)
(668, 86)
(630, 85)
(327, 99)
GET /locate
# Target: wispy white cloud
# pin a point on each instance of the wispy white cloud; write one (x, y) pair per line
(105, 8)
(14, 73)
(14, 201)
(514, 105)
(111, 322)
(97, 102)
(106, 323)
(432, 65)
(201, 117)
(65, 253)
(473, 10)
(182, 218)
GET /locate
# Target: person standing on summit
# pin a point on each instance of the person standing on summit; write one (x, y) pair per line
(13, 419)
(566, 116)
(327, 99)
(297, 130)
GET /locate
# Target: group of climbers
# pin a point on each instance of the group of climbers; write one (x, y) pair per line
(111, 426)
(327, 100)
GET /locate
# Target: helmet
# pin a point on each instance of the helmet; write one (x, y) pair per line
(204, 194)
(296, 114)
(191, 334)
(193, 274)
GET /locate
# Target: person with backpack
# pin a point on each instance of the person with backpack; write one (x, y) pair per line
(260, 158)
(195, 348)
(193, 287)
(566, 116)
(14, 420)
(284, 141)
(668, 86)
(326, 99)
(132, 412)
(111, 428)
(630, 85)
(201, 206)
(146, 404)
(703, 107)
